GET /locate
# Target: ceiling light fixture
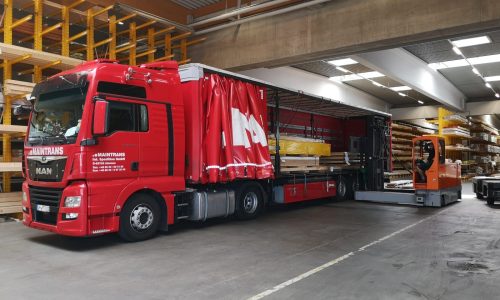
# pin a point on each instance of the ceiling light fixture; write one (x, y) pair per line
(120, 23)
(342, 69)
(488, 59)
(497, 95)
(457, 51)
(367, 75)
(472, 41)
(343, 62)
(400, 88)
(358, 76)
(474, 61)
(492, 78)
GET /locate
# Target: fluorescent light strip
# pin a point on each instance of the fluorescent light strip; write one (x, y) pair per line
(420, 101)
(401, 94)
(400, 88)
(488, 85)
(492, 78)
(351, 77)
(472, 41)
(462, 62)
(343, 62)
(342, 69)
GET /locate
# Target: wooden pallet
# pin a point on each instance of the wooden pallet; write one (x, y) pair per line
(10, 203)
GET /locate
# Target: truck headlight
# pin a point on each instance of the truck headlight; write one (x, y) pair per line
(72, 201)
(25, 197)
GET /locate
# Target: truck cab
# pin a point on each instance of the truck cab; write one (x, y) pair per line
(98, 135)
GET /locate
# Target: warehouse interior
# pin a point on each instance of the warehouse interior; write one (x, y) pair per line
(249, 149)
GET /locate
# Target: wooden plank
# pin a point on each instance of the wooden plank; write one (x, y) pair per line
(10, 167)
(8, 197)
(38, 58)
(12, 129)
(11, 209)
(303, 169)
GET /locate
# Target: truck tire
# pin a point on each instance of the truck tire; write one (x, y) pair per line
(342, 189)
(479, 196)
(490, 201)
(249, 201)
(140, 218)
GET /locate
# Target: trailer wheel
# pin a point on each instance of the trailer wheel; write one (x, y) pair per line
(479, 196)
(342, 189)
(140, 218)
(249, 201)
(490, 201)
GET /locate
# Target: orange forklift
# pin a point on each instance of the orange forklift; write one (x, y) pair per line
(436, 182)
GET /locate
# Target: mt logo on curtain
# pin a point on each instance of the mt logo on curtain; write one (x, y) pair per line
(235, 139)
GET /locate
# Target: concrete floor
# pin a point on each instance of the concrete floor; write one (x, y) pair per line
(411, 253)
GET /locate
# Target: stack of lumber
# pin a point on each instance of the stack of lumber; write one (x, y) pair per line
(290, 145)
(300, 154)
(17, 88)
(305, 164)
(342, 160)
(10, 203)
(398, 175)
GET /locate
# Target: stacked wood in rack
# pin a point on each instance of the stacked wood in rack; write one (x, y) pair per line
(351, 160)
(17, 88)
(10, 203)
(457, 130)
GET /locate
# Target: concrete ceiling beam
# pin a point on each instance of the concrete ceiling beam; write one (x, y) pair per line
(409, 70)
(339, 28)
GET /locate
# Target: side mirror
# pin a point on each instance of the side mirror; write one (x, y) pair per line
(100, 123)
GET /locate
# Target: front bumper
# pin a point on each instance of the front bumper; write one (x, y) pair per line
(56, 222)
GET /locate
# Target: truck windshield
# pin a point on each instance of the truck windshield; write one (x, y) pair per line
(57, 113)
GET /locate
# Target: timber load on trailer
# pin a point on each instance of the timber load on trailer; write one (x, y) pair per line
(134, 149)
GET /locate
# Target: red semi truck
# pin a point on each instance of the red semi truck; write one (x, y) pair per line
(134, 149)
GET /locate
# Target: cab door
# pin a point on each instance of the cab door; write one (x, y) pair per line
(114, 162)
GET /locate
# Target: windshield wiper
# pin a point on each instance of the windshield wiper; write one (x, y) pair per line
(60, 139)
(38, 138)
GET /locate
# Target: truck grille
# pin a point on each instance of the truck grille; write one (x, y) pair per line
(45, 204)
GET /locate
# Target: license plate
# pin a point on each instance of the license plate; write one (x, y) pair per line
(43, 208)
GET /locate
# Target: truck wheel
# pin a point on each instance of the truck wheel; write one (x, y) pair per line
(479, 196)
(140, 218)
(490, 201)
(249, 201)
(342, 190)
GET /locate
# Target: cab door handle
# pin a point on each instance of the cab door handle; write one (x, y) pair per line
(134, 166)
